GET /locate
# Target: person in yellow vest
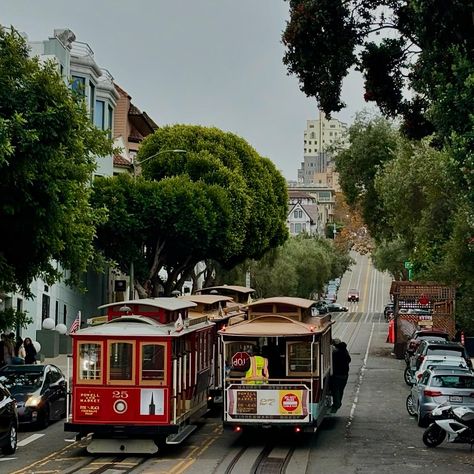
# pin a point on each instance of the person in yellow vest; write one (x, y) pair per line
(257, 373)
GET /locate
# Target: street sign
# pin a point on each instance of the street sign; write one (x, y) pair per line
(408, 265)
(240, 360)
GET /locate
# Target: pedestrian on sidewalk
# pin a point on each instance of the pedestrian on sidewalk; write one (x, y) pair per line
(8, 349)
(30, 351)
(340, 372)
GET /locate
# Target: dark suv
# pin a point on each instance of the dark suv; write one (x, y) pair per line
(435, 335)
(8, 422)
(429, 347)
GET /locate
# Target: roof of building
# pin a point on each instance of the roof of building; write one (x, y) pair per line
(296, 193)
(121, 161)
(310, 209)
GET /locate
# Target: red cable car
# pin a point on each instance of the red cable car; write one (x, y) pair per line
(142, 377)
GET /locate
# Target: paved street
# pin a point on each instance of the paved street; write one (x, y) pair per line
(372, 433)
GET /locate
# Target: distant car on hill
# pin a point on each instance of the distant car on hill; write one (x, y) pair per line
(353, 295)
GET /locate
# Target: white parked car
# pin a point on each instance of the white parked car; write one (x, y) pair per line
(432, 361)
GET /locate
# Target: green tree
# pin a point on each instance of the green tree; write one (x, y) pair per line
(220, 201)
(47, 148)
(416, 191)
(373, 141)
(301, 267)
(258, 189)
(422, 45)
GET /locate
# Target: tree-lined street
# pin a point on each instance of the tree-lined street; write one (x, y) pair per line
(371, 433)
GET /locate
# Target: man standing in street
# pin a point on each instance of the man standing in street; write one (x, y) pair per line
(340, 372)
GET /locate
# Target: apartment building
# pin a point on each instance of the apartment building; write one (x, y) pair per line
(77, 66)
(321, 137)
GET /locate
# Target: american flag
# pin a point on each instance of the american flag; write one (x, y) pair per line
(76, 324)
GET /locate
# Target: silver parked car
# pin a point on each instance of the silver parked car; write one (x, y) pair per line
(440, 385)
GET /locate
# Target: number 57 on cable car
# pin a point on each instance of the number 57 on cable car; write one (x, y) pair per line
(277, 366)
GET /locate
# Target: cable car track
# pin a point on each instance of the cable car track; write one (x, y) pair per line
(118, 465)
(265, 463)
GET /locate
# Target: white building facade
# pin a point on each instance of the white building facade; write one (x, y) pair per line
(76, 65)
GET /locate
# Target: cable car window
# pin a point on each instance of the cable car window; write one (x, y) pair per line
(316, 358)
(299, 358)
(90, 362)
(121, 362)
(153, 363)
(326, 351)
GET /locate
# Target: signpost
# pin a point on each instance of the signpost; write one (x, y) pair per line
(409, 266)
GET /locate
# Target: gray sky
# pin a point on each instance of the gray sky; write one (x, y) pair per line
(216, 63)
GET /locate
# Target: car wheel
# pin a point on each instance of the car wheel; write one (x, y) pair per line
(10, 448)
(410, 404)
(407, 376)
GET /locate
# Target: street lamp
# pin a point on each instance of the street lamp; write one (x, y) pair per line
(134, 165)
(138, 163)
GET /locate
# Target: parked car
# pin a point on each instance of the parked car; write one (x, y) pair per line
(423, 335)
(8, 421)
(331, 297)
(322, 307)
(353, 295)
(432, 361)
(39, 391)
(441, 385)
(429, 347)
(335, 307)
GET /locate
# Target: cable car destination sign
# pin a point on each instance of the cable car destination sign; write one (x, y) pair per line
(270, 402)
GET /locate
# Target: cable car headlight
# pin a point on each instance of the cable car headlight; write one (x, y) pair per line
(33, 401)
(120, 406)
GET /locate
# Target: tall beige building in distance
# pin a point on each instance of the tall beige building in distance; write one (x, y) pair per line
(320, 137)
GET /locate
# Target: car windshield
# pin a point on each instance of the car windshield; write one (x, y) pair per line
(18, 382)
(453, 381)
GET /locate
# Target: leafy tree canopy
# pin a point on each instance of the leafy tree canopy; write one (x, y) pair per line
(373, 142)
(258, 189)
(301, 267)
(220, 201)
(424, 46)
(47, 148)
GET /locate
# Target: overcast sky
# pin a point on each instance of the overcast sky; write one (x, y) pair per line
(208, 62)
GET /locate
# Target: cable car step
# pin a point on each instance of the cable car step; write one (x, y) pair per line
(122, 446)
(181, 435)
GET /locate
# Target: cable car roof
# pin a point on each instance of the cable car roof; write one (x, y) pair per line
(237, 288)
(275, 325)
(206, 299)
(287, 300)
(166, 303)
(136, 326)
